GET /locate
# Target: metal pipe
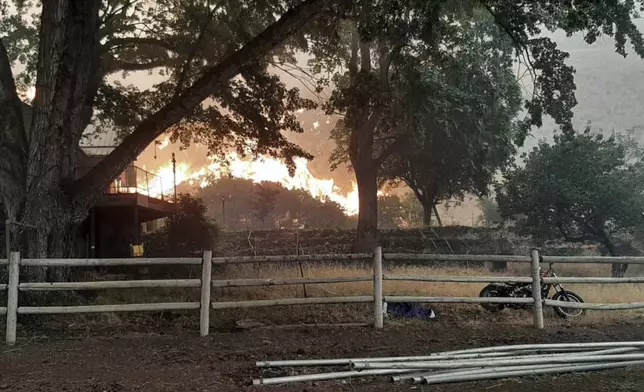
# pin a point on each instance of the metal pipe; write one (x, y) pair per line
(535, 372)
(452, 364)
(460, 353)
(419, 377)
(348, 361)
(326, 376)
(438, 355)
(548, 346)
(550, 355)
(439, 375)
(422, 373)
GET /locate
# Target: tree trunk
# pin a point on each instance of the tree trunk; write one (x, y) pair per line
(617, 270)
(366, 236)
(427, 215)
(438, 217)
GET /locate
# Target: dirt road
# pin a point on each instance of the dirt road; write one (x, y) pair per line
(225, 360)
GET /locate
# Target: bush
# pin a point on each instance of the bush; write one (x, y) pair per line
(187, 233)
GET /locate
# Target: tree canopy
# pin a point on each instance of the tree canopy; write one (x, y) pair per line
(583, 187)
(210, 59)
(377, 43)
(463, 128)
(186, 233)
(267, 205)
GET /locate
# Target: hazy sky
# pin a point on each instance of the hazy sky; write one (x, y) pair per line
(610, 88)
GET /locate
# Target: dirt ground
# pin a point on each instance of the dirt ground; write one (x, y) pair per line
(225, 360)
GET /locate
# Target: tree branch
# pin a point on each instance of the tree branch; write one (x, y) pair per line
(112, 65)
(390, 149)
(90, 186)
(518, 43)
(137, 41)
(195, 47)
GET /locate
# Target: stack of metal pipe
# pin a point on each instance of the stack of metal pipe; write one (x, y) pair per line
(476, 364)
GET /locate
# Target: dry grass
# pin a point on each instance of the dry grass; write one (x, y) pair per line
(463, 314)
(607, 293)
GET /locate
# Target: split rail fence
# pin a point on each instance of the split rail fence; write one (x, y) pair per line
(378, 297)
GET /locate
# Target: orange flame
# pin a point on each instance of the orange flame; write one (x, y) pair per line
(163, 144)
(260, 170)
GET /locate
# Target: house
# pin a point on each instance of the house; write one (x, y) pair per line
(115, 222)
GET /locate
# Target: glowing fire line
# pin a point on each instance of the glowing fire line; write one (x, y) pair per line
(264, 169)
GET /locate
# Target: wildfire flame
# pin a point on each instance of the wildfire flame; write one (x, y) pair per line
(260, 170)
(163, 144)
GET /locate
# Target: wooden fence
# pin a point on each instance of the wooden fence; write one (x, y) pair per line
(206, 303)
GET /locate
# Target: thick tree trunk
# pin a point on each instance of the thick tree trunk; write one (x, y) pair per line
(51, 130)
(367, 232)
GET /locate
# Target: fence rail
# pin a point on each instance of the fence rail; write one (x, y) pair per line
(460, 279)
(291, 258)
(459, 300)
(114, 284)
(291, 301)
(378, 297)
(594, 306)
(593, 260)
(467, 258)
(108, 262)
(287, 281)
(156, 307)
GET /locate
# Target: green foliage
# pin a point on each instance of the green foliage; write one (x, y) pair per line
(269, 205)
(406, 65)
(491, 215)
(390, 212)
(175, 42)
(420, 35)
(186, 233)
(265, 202)
(396, 212)
(584, 187)
(458, 118)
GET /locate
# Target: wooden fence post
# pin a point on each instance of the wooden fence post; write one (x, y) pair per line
(377, 289)
(536, 289)
(206, 276)
(12, 297)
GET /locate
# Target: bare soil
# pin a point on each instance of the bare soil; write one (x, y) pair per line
(225, 360)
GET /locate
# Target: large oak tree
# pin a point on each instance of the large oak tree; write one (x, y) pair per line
(211, 58)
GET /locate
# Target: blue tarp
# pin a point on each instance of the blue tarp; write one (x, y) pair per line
(410, 310)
